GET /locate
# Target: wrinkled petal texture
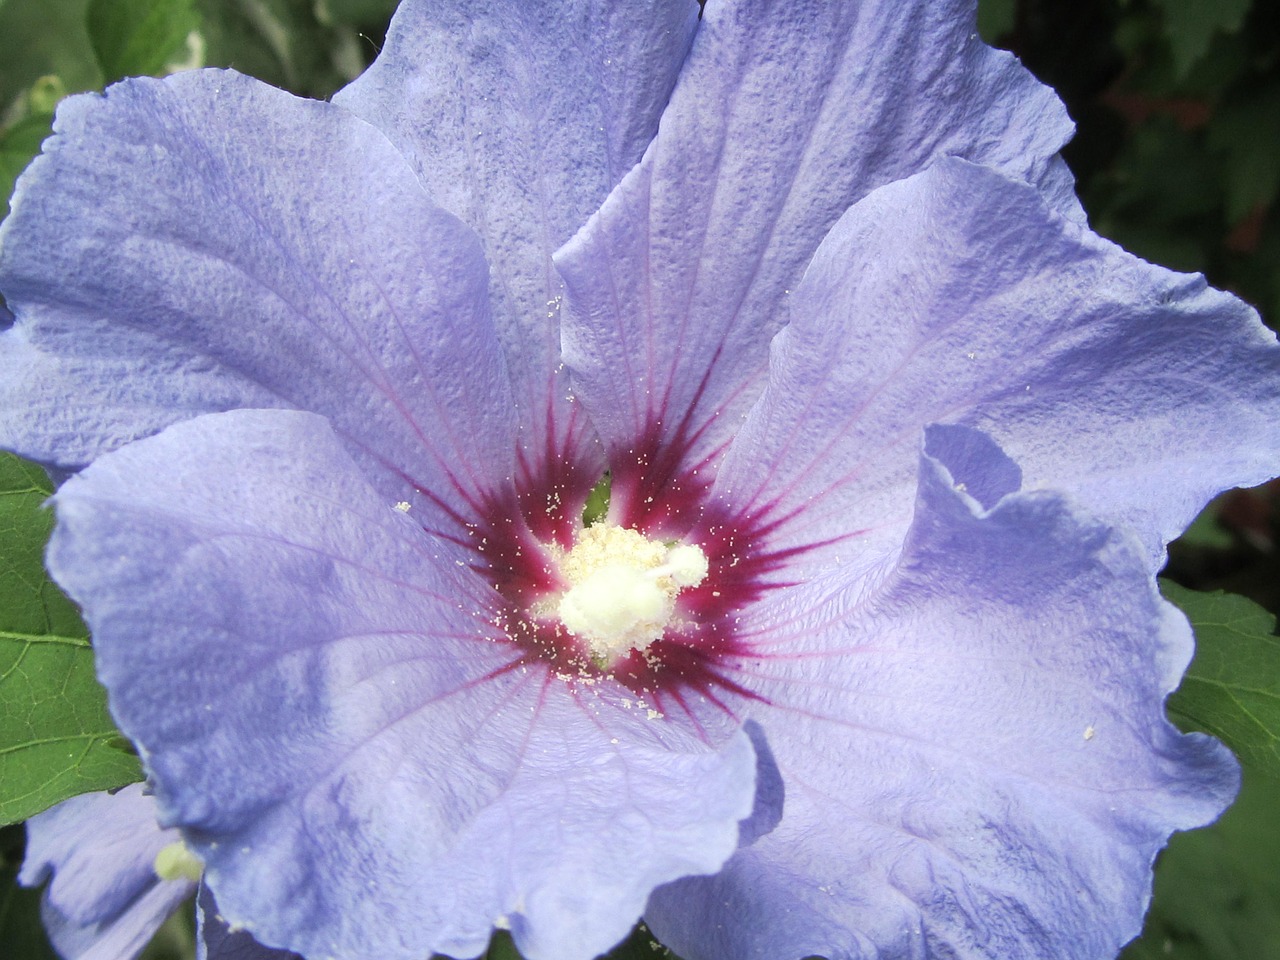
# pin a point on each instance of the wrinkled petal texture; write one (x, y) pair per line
(958, 295)
(332, 715)
(786, 113)
(974, 748)
(207, 242)
(97, 851)
(215, 940)
(520, 118)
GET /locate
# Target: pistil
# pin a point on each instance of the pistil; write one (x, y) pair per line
(623, 589)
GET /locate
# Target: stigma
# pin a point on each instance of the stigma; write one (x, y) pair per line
(622, 589)
(176, 862)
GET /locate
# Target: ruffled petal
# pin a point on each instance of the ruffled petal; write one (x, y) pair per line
(215, 940)
(520, 118)
(206, 242)
(786, 113)
(121, 937)
(975, 753)
(97, 851)
(959, 296)
(330, 711)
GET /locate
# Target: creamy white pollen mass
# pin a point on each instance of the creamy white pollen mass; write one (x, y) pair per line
(175, 861)
(623, 588)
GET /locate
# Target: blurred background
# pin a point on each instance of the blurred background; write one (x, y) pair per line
(1177, 159)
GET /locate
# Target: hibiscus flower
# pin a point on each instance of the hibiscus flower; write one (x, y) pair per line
(104, 898)
(865, 656)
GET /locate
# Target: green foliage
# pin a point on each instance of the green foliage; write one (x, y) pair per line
(1245, 133)
(1178, 107)
(40, 38)
(56, 737)
(1232, 689)
(641, 945)
(175, 940)
(501, 947)
(1191, 25)
(138, 37)
(597, 505)
(50, 48)
(300, 45)
(1217, 892)
(20, 929)
(1156, 206)
(18, 144)
(995, 18)
(44, 54)
(1205, 531)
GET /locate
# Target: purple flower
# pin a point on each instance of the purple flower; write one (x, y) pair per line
(867, 659)
(114, 876)
(98, 853)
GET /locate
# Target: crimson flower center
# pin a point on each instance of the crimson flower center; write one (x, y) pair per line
(651, 592)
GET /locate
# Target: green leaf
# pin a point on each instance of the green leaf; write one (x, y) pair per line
(1232, 689)
(1205, 530)
(176, 938)
(1191, 24)
(279, 41)
(597, 505)
(18, 145)
(21, 931)
(39, 38)
(995, 18)
(641, 945)
(356, 11)
(1245, 131)
(1217, 892)
(56, 736)
(501, 947)
(139, 37)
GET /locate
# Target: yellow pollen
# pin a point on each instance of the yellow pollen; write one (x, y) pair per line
(177, 862)
(623, 588)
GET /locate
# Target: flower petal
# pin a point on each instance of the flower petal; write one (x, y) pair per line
(520, 118)
(206, 242)
(215, 940)
(122, 937)
(786, 113)
(957, 295)
(98, 851)
(976, 758)
(328, 707)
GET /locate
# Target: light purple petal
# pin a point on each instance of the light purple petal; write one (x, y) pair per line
(328, 707)
(957, 295)
(206, 242)
(786, 113)
(976, 758)
(121, 937)
(215, 940)
(520, 118)
(97, 851)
